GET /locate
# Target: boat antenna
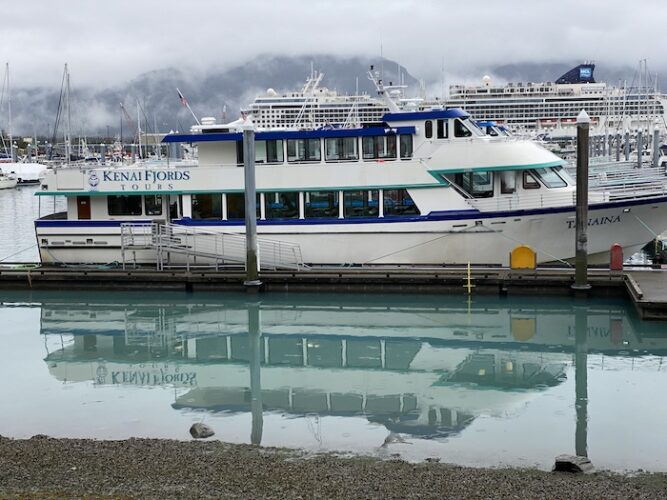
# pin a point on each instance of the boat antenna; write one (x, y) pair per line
(381, 90)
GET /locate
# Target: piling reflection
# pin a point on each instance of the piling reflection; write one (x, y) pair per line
(581, 380)
(420, 367)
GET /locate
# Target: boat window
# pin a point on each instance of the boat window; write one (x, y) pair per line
(153, 204)
(361, 203)
(303, 150)
(341, 149)
(563, 174)
(236, 206)
(321, 204)
(269, 151)
(406, 145)
(442, 129)
(281, 205)
(124, 204)
(549, 178)
(530, 182)
(507, 182)
(472, 125)
(397, 202)
(207, 206)
(461, 130)
(174, 203)
(476, 184)
(428, 129)
(239, 152)
(379, 147)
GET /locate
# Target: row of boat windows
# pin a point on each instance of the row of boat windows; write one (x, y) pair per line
(278, 205)
(335, 149)
(442, 129)
(481, 184)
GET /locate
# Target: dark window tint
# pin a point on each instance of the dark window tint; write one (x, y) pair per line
(124, 204)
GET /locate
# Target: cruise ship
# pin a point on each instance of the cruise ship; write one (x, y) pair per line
(314, 107)
(553, 105)
(546, 106)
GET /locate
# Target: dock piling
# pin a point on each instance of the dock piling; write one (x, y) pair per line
(581, 222)
(252, 266)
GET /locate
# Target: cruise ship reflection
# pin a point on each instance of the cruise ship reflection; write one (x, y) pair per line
(422, 367)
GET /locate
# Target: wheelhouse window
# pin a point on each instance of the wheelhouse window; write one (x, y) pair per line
(361, 203)
(379, 147)
(269, 151)
(442, 129)
(549, 177)
(207, 206)
(341, 149)
(428, 129)
(529, 181)
(124, 204)
(321, 204)
(507, 181)
(476, 184)
(397, 202)
(281, 205)
(153, 204)
(304, 150)
(460, 129)
(406, 145)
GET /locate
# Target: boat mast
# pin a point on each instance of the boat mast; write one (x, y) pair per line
(9, 114)
(68, 124)
(139, 129)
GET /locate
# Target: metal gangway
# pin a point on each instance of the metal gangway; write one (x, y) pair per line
(174, 245)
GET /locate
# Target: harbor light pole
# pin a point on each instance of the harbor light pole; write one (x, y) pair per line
(252, 281)
(581, 222)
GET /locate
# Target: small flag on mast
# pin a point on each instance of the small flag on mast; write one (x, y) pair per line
(184, 101)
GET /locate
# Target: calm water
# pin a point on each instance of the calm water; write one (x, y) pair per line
(488, 382)
(19, 208)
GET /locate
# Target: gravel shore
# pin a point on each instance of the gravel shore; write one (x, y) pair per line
(43, 467)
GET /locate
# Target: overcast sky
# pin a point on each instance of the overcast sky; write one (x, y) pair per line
(110, 42)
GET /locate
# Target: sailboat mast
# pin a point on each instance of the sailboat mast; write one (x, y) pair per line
(139, 129)
(9, 114)
(68, 137)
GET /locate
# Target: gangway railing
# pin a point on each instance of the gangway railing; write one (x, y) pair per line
(199, 247)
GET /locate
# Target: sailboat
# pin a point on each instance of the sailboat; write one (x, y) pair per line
(22, 172)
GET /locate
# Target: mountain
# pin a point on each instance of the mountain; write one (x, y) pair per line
(152, 96)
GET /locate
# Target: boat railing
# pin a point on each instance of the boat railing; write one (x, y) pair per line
(622, 190)
(524, 201)
(205, 248)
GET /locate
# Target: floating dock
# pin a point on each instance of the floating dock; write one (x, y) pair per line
(647, 288)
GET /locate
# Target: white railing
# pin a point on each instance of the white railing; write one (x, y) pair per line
(202, 247)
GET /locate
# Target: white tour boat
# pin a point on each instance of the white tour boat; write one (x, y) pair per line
(421, 187)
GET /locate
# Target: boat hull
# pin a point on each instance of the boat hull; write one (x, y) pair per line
(442, 239)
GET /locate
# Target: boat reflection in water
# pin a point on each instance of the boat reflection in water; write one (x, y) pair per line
(424, 366)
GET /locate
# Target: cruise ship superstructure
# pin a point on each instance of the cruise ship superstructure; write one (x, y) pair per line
(314, 107)
(554, 105)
